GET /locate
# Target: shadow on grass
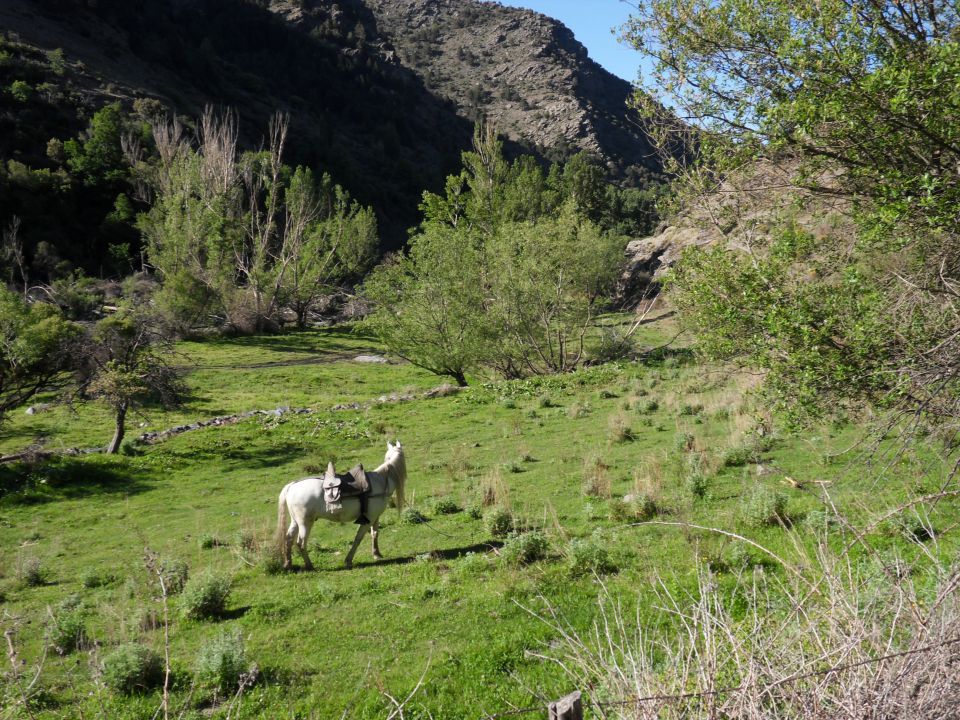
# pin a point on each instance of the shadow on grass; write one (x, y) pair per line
(68, 478)
(447, 554)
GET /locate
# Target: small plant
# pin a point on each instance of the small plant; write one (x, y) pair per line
(647, 407)
(31, 573)
(695, 477)
(545, 401)
(684, 442)
(208, 540)
(596, 478)
(412, 516)
(738, 456)
(221, 662)
(579, 409)
(525, 548)
(764, 506)
(66, 629)
(176, 573)
(475, 511)
(586, 556)
(271, 561)
(821, 520)
(205, 596)
(445, 506)
(499, 522)
(607, 394)
(493, 490)
(509, 404)
(620, 430)
(247, 540)
(738, 556)
(94, 578)
(132, 668)
(689, 409)
(513, 467)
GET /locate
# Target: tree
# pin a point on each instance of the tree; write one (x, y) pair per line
(865, 97)
(430, 303)
(128, 366)
(36, 350)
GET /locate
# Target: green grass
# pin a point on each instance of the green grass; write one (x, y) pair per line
(443, 602)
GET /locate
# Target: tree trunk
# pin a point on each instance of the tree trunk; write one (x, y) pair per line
(120, 429)
(460, 378)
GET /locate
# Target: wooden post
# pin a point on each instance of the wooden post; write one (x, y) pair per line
(566, 708)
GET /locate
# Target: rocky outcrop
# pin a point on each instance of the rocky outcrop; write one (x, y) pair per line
(524, 72)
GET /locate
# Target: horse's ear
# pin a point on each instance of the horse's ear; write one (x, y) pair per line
(389, 446)
(396, 445)
(331, 473)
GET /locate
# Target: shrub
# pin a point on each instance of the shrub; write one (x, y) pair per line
(221, 662)
(579, 409)
(683, 442)
(31, 572)
(208, 540)
(696, 477)
(586, 556)
(499, 522)
(648, 407)
(475, 511)
(445, 506)
(271, 561)
(738, 456)
(620, 430)
(176, 573)
(94, 578)
(412, 516)
(205, 596)
(132, 668)
(66, 629)
(763, 506)
(596, 479)
(545, 401)
(607, 394)
(525, 548)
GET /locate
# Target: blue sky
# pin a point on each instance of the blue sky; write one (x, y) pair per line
(591, 21)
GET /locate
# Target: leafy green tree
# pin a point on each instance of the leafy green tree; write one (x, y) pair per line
(430, 303)
(864, 97)
(97, 157)
(129, 366)
(36, 350)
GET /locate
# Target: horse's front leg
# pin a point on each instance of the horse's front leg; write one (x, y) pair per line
(361, 531)
(374, 535)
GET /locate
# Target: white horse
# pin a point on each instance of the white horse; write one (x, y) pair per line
(303, 501)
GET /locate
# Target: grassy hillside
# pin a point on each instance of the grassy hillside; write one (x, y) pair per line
(447, 603)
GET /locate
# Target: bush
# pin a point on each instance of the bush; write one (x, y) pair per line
(176, 573)
(763, 506)
(525, 549)
(650, 406)
(620, 430)
(683, 442)
(221, 662)
(66, 629)
(445, 506)
(475, 511)
(412, 516)
(132, 668)
(499, 522)
(208, 540)
(31, 572)
(596, 479)
(586, 556)
(205, 596)
(696, 478)
(738, 456)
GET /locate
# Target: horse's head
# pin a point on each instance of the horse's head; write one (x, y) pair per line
(394, 450)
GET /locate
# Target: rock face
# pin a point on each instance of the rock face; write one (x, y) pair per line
(523, 71)
(741, 213)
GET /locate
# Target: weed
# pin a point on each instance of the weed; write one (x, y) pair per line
(66, 629)
(208, 540)
(545, 401)
(132, 668)
(445, 506)
(586, 556)
(738, 456)
(579, 409)
(205, 596)
(499, 522)
(596, 478)
(525, 548)
(412, 516)
(690, 409)
(607, 394)
(764, 506)
(475, 511)
(175, 573)
(31, 573)
(221, 662)
(93, 578)
(695, 476)
(493, 491)
(684, 442)
(620, 430)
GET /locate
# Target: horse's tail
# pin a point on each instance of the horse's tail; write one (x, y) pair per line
(282, 519)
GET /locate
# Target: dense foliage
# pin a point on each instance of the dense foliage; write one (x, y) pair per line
(864, 97)
(506, 271)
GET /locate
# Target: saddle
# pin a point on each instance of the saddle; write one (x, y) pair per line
(347, 485)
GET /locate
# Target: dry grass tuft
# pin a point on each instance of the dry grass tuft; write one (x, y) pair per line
(596, 478)
(493, 491)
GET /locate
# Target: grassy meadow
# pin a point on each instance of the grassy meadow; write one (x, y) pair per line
(451, 607)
